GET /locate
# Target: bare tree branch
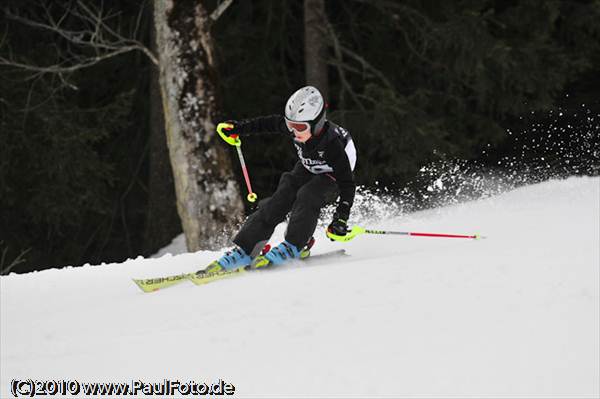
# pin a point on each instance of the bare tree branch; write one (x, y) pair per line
(220, 10)
(138, 22)
(337, 50)
(6, 267)
(97, 35)
(60, 68)
(367, 66)
(420, 22)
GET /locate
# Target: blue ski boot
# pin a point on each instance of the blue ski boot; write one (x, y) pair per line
(231, 260)
(280, 254)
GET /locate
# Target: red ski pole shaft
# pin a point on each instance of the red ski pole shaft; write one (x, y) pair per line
(251, 195)
(414, 234)
(244, 169)
(235, 141)
(357, 230)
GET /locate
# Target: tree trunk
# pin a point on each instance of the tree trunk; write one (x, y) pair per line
(162, 221)
(315, 45)
(208, 197)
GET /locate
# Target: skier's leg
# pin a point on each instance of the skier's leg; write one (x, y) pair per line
(315, 194)
(259, 227)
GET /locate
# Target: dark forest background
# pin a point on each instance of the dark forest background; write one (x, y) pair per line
(415, 82)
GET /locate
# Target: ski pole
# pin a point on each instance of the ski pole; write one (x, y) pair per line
(235, 141)
(251, 195)
(357, 230)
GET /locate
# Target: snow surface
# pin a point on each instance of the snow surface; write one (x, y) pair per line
(515, 315)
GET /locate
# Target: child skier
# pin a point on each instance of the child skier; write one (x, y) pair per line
(327, 157)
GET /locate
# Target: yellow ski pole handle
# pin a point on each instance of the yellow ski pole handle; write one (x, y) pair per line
(356, 230)
(228, 139)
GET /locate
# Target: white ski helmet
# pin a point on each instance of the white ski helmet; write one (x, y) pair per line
(307, 105)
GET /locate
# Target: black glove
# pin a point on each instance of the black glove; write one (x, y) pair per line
(339, 224)
(235, 130)
(338, 227)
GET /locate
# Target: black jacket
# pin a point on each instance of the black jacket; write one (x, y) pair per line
(331, 152)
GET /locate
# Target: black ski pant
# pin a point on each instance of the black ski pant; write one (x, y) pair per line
(299, 192)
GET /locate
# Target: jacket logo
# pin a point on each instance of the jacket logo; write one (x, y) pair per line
(321, 153)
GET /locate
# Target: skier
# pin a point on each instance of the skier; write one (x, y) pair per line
(324, 170)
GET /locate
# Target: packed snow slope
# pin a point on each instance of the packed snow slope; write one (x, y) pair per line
(514, 315)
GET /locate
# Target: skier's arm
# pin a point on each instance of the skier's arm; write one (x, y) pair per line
(263, 124)
(337, 158)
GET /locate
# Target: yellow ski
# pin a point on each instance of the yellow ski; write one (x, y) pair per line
(155, 284)
(214, 273)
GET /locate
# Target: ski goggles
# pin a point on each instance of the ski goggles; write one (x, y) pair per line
(299, 127)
